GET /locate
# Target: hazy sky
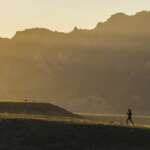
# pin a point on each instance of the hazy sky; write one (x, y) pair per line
(61, 15)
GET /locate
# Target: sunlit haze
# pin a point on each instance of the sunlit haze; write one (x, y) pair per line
(61, 15)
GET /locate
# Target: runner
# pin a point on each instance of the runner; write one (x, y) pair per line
(129, 115)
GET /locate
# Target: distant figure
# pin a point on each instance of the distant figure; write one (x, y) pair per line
(129, 115)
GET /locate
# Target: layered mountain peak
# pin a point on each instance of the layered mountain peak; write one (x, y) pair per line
(118, 23)
(75, 29)
(118, 17)
(121, 23)
(40, 35)
(32, 31)
(143, 14)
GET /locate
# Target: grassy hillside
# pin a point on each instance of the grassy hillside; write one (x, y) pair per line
(30, 134)
(31, 108)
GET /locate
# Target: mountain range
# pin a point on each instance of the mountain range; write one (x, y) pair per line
(101, 70)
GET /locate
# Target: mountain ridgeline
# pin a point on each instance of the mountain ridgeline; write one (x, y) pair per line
(102, 70)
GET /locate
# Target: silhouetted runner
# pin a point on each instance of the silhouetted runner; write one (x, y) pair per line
(129, 115)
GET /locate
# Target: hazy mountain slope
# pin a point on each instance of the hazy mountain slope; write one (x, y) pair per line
(106, 69)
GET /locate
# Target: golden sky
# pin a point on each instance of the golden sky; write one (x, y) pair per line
(61, 15)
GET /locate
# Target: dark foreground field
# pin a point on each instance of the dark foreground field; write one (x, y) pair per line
(44, 135)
